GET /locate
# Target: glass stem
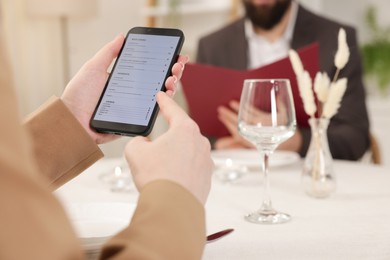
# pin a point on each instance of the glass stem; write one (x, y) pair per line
(267, 205)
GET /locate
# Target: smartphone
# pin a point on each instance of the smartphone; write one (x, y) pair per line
(128, 104)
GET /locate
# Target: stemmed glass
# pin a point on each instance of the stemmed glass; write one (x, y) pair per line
(266, 118)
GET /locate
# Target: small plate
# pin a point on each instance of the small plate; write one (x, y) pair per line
(95, 223)
(251, 158)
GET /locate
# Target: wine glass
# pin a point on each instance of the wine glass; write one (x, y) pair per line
(266, 118)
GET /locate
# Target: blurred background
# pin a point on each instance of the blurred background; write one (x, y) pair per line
(49, 40)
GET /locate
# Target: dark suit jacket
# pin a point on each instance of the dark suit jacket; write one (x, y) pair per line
(348, 131)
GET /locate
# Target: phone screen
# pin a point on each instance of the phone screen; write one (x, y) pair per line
(129, 98)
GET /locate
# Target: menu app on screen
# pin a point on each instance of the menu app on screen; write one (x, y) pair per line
(128, 104)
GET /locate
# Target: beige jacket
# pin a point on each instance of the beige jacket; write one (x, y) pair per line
(167, 224)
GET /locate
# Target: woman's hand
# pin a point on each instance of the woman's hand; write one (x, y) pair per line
(83, 91)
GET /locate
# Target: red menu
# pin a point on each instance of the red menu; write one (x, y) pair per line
(207, 87)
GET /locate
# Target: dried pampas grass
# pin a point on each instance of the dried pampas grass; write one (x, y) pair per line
(321, 86)
(342, 54)
(328, 93)
(306, 93)
(336, 93)
(296, 63)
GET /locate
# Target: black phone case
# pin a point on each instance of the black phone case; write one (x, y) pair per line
(131, 129)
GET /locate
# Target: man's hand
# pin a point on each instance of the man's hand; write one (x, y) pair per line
(229, 117)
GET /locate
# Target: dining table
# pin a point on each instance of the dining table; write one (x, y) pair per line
(352, 223)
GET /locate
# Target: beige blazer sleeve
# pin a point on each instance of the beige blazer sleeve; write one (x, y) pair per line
(168, 222)
(33, 225)
(61, 146)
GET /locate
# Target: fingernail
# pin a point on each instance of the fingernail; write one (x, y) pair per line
(174, 79)
(187, 59)
(169, 93)
(120, 35)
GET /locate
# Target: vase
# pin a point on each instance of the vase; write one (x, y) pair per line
(318, 178)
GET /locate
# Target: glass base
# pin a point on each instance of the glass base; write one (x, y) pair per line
(230, 174)
(321, 188)
(268, 217)
(118, 180)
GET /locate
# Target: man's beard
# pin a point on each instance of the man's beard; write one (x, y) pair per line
(266, 16)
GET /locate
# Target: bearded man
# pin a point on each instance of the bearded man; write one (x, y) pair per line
(265, 34)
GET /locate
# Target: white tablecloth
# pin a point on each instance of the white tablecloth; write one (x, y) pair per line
(354, 223)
